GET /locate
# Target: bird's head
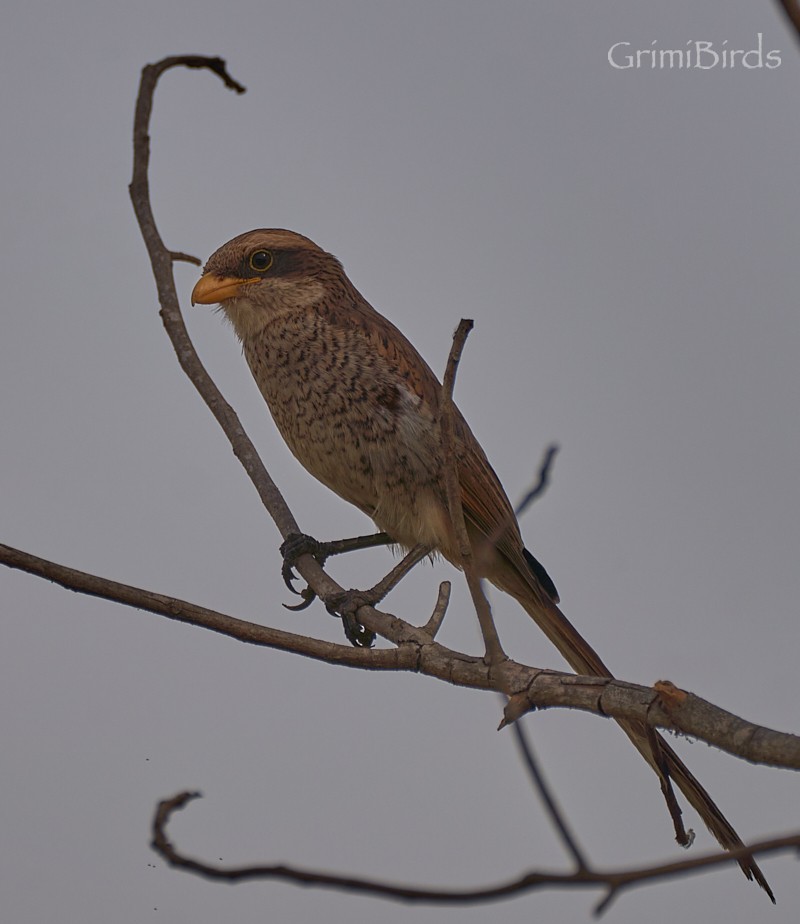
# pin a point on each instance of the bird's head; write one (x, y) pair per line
(263, 273)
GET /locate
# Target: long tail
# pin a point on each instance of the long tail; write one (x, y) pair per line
(584, 660)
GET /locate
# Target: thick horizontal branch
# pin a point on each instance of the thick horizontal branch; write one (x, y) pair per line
(528, 688)
(204, 618)
(613, 881)
(677, 711)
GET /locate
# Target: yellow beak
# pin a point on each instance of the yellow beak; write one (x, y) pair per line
(211, 289)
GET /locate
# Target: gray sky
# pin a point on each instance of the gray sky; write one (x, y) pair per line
(626, 243)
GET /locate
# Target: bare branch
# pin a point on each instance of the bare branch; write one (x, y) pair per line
(191, 613)
(549, 800)
(161, 260)
(347, 605)
(534, 492)
(529, 688)
(542, 480)
(494, 650)
(433, 625)
(614, 881)
(447, 424)
(179, 257)
(297, 544)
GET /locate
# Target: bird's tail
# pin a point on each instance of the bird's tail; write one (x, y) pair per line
(584, 660)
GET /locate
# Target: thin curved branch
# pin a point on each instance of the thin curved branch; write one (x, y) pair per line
(528, 688)
(614, 881)
(433, 625)
(161, 260)
(551, 805)
(542, 480)
(180, 257)
(494, 650)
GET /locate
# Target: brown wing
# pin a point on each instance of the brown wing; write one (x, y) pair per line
(486, 507)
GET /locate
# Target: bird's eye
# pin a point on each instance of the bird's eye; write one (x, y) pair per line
(261, 260)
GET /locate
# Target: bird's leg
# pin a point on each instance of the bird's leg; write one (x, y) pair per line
(347, 603)
(400, 570)
(340, 546)
(297, 544)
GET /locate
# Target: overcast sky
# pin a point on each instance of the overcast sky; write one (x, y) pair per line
(626, 242)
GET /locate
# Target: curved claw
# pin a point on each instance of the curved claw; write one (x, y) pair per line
(358, 636)
(308, 596)
(345, 605)
(293, 547)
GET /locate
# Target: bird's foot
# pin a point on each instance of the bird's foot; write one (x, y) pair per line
(297, 544)
(293, 547)
(346, 605)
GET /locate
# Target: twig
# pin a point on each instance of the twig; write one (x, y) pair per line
(179, 257)
(161, 260)
(615, 881)
(542, 480)
(494, 650)
(556, 815)
(536, 491)
(433, 625)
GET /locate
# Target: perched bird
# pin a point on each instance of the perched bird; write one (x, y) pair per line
(358, 405)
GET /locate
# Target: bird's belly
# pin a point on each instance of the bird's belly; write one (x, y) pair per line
(359, 431)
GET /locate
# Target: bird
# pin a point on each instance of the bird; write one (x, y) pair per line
(358, 407)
